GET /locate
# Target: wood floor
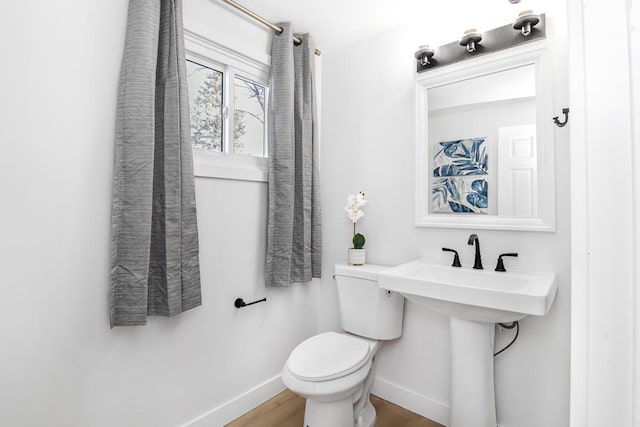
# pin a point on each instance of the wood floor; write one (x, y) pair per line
(287, 410)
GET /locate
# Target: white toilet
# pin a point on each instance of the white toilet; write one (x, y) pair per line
(334, 371)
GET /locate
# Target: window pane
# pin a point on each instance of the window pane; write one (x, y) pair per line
(205, 98)
(248, 117)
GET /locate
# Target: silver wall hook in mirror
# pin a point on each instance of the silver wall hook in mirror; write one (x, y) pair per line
(424, 54)
(525, 22)
(470, 39)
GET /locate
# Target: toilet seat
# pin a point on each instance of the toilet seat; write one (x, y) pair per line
(328, 356)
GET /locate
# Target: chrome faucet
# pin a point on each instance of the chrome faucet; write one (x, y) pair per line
(477, 263)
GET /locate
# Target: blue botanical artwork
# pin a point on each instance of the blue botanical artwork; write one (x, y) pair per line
(462, 157)
(460, 195)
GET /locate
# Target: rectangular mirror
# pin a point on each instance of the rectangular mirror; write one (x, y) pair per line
(484, 143)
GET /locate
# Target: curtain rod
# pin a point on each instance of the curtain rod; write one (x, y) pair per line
(260, 19)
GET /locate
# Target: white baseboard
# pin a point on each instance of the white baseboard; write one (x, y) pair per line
(229, 411)
(411, 400)
(387, 390)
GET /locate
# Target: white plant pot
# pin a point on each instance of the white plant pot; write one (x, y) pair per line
(357, 256)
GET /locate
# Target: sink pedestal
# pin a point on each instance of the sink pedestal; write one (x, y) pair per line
(472, 392)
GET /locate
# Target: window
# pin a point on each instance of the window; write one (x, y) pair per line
(228, 93)
(206, 102)
(214, 91)
(249, 136)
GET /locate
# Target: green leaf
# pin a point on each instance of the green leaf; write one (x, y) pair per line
(358, 241)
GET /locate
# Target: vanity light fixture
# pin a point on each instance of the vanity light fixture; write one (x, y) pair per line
(492, 40)
(470, 39)
(424, 54)
(526, 21)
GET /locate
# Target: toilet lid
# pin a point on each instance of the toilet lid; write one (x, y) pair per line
(328, 356)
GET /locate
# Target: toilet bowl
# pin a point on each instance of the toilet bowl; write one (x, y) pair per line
(330, 371)
(334, 371)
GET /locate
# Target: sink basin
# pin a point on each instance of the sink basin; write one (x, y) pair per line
(477, 295)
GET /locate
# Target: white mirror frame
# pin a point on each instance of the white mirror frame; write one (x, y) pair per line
(535, 53)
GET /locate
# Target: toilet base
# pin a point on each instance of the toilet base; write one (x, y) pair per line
(367, 418)
(338, 414)
(327, 414)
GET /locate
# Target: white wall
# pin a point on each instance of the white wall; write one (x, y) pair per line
(368, 145)
(605, 129)
(60, 364)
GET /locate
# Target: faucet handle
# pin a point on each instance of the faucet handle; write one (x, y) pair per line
(456, 258)
(500, 265)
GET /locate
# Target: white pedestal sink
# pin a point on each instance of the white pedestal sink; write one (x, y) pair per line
(474, 300)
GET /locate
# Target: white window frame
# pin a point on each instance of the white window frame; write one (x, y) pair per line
(227, 164)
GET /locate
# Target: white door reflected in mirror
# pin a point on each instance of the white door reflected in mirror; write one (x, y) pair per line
(517, 171)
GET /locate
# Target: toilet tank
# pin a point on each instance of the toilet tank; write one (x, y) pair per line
(366, 309)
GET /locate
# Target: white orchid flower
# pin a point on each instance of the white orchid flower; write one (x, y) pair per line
(354, 203)
(355, 214)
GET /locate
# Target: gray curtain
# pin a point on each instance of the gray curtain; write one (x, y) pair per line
(293, 229)
(154, 248)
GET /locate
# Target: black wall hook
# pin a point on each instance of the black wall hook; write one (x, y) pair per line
(560, 124)
(239, 302)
